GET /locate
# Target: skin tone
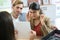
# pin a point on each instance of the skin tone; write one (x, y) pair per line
(17, 9)
(34, 14)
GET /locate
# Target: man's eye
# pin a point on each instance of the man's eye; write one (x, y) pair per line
(17, 7)
(31, 12)
(20, 8)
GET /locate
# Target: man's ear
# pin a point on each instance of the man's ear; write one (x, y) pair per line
(12, 7)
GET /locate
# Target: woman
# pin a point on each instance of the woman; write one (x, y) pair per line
(40, 24)
(6, 26)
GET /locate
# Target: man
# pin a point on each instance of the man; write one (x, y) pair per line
(17, 14)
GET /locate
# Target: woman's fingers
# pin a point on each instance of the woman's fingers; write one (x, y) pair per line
(33, 32)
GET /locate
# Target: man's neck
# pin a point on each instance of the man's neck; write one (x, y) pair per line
(14, 15)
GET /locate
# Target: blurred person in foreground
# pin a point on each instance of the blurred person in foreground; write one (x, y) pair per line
(6, 26)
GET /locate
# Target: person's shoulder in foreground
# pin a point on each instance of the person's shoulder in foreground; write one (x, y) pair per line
(6, 26)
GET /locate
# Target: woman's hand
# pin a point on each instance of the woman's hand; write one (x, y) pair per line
(28, 16)
(42, 18)
(32, 33)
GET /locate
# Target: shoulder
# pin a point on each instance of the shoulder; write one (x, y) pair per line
(23, 13)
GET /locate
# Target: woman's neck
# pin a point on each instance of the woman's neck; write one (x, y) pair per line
(36, 22)
(37, 19)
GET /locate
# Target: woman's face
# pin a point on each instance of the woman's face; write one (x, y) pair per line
(34, 13)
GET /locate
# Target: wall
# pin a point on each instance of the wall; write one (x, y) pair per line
(50, 11)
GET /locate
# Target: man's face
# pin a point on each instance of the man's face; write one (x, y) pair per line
(34, 13)
(17, 8)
